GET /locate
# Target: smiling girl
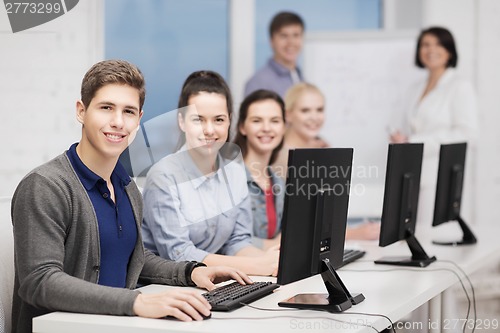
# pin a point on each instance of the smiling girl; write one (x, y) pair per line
(305, 116)
(196, 200)
(261, 126)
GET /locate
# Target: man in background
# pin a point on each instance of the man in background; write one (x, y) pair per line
(281, 71)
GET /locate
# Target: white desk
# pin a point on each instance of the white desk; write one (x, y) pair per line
(394, 293)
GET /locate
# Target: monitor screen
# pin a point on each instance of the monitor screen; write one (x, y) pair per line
(315, 211)
(399, 211)
(449, 189)
(314, 223)
(402, 186)
(449, 183)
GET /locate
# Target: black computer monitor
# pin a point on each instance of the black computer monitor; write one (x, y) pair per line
(449, 190)
(314, 223)
(399, 212)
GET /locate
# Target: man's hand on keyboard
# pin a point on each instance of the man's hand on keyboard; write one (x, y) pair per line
(207, 277)
(184, 305)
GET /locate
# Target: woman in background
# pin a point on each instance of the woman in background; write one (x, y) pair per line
(305, 106)
(305, 116)
(196, 203)
(261, 126)
(442, 109)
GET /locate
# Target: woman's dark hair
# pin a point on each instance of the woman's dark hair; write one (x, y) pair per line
(445, 39)
(203, 81)
(256, 96)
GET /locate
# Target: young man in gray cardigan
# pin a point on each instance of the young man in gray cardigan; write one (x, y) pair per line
(77, 221)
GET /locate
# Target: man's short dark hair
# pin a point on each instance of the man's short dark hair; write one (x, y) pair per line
(112, 72)
(283, 19)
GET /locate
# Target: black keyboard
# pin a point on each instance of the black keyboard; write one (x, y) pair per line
(231, 296)
(351, 255)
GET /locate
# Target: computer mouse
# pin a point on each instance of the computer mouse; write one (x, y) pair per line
(201, 314)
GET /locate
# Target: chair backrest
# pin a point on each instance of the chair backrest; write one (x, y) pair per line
(6, 265)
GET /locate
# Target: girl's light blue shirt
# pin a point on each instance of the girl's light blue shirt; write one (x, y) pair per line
(188, 215)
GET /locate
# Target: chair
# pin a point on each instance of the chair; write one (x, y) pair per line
(6, 265)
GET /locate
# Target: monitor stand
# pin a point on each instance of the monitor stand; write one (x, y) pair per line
(418, 256)
(467, 239)
(338, 298)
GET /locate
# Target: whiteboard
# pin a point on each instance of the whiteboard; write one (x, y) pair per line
(365, 76)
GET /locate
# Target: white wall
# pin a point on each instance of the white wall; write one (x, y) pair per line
(41, 71)
(487, 46)
(242, 50)
(406, 14)
(242, 46)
